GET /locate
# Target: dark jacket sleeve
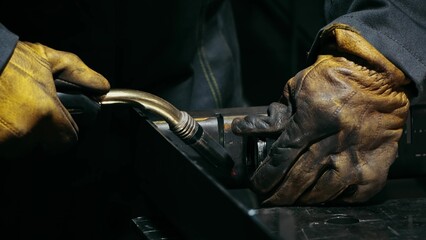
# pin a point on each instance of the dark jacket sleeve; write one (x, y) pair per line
(8, 42)
(396, 28)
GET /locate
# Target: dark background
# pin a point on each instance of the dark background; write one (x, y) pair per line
(127, 40)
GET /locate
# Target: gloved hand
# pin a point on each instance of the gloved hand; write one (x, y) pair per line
(339, 122)
(31, 115)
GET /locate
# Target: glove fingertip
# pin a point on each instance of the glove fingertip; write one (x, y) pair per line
(276, 201)
(87, 81)
(102, 85)
(242, 126)
(235, 126)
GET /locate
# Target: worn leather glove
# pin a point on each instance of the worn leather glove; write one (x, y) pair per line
(338, 121)
(31, 115)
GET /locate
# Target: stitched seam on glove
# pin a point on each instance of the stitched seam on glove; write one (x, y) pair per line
(345, 101)
(11, 129)
(29, 50)
(23, 70)
(315, 65)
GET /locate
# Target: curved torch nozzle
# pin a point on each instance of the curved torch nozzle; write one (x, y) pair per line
(180, 123)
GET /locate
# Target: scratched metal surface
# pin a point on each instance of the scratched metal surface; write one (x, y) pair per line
(393, 219)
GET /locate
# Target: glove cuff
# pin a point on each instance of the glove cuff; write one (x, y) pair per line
(344, 41)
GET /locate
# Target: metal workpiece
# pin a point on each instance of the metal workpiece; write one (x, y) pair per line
(392, 219)
(180, 123)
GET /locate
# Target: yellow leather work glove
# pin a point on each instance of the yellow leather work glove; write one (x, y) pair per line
(31, 115)
(339, 122)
